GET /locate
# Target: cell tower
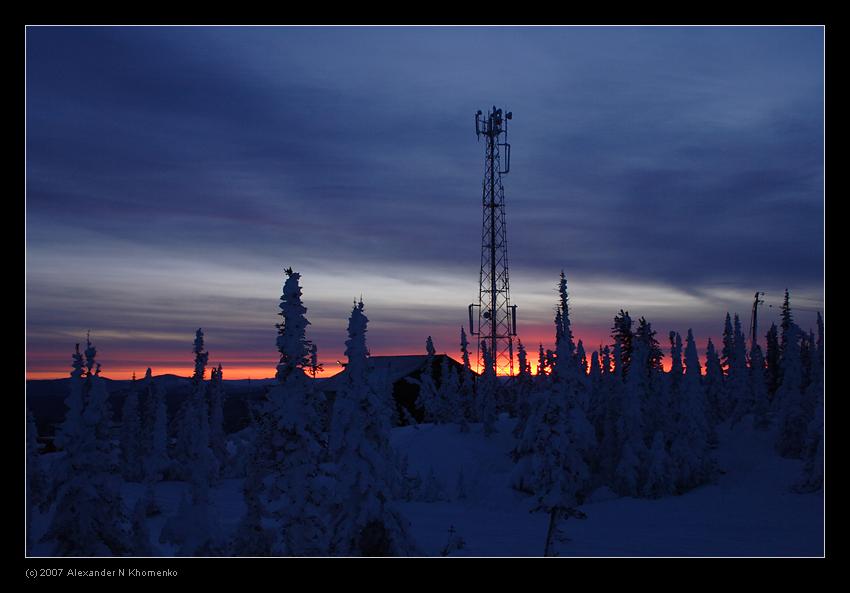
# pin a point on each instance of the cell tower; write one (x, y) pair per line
(496, 316)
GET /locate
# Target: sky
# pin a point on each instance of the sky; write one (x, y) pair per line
(173, 173)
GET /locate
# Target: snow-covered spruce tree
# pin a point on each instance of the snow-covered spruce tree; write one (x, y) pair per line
(654, 411)
(646, 334)
(68, 432)
(727, 363)
(486, 393)
(813, 371)
(203, 464)
(582, 367)
(596, 400)
(293, 491)
(252, 537)
(132, 437)
(659, 471)
(807, 355)
(713, 383)
(811, 478)
(793, 421)
(364, 522)
(467, 386)
(523, 388)
(739, 393)
(217, 435)
(623, 335)
(553, 452)
(315, 366)
(192, 451)
(89, 519)
(429, 398)
(672, 386)
(448, 393)
(541, 361)
(772, 372)
(758, 389)
(787, 325)
(612, 393)
(155, 431)
(629, 425)
(690, 452)
(194, 529)
(37, 482)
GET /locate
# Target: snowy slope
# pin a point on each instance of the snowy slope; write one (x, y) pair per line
(748, 512)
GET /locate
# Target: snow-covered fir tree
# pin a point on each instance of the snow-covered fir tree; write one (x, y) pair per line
(429, 397)
(90, 519)
(194, 529)
(654, 411)
(68, 432)
(293, 491)
(155, 431)
(727, 362)
(37, 481)
(772, 372)
(448, 394)
(713, 383)
(758, 390)
(690, 450)
(364, 521)
(553, 452)
(811, 478)
(523, 389)
(623, 335)
(786, 325)
(611, 397)
(541, 361)
(217, 434)
(252, 537)
(659, 472)
(486, 393)
(739, 396)
(629, 425)
(466, 395)
(132, 437)
(793, 420)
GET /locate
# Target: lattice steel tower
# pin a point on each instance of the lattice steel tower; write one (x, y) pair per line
(496, 316)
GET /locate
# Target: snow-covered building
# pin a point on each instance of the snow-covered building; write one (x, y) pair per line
(401, 373)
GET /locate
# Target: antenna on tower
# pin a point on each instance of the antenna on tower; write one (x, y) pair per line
(496, 317)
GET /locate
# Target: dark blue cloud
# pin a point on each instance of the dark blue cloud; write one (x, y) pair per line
(686, 157)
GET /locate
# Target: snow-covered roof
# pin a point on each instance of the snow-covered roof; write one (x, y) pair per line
(396, 367)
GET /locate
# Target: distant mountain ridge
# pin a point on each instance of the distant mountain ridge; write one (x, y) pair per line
(168, 381)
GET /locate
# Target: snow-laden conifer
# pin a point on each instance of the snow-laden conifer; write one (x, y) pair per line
(793, 420)
(132, 437)
(293, 490)
(90, 519)
(217, 434)
(486, 392)
(364, 521)
(690, 452)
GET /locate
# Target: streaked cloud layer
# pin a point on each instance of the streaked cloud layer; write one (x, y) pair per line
(172, 173)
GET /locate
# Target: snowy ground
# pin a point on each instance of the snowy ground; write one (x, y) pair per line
(748, 512)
